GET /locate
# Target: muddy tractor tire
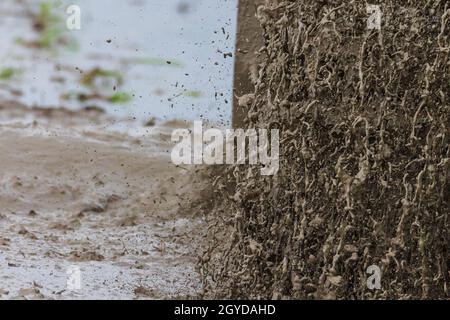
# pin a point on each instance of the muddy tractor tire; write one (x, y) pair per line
(249, 41)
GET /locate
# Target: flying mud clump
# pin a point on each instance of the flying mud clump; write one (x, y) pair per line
(364, 177)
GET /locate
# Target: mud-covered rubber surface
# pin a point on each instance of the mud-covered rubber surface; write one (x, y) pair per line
(364, 174)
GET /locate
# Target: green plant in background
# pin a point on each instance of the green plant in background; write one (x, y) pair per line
(89, 79)
(116, 98)
(158, 62)
(8, 73)
(120, 98)
(46, 16)
(192, 94)
(103, 79)
(49, 24)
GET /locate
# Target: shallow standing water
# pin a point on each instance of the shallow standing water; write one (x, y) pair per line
(172, 56)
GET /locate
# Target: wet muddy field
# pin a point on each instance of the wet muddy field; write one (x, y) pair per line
(111, 205)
